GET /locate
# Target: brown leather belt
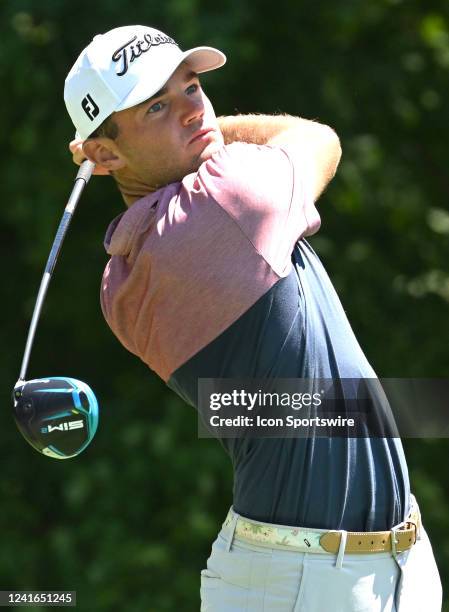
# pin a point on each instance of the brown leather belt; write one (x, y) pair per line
(375, 541)
(366, 542)
(311, 540)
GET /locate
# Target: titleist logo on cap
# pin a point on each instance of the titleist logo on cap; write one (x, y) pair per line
(131, 50)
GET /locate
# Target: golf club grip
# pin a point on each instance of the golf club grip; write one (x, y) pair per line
(82, 178)
(85, 171)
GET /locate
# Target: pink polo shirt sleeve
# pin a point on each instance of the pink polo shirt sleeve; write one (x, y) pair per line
(266, 194)
(188, 260)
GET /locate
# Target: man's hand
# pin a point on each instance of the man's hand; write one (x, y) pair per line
(78, 156)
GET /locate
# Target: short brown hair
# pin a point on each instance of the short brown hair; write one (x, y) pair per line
(107, 129)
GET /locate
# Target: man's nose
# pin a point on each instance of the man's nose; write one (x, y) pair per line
(192, 111)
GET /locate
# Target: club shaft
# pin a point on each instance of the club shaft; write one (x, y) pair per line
(81, 180)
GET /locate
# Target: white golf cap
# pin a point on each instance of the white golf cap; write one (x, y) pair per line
(124, 67)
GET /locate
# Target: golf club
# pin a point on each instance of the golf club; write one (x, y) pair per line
(57, 415)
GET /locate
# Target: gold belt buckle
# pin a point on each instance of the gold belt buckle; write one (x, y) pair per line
(409, 524)
(415, 519)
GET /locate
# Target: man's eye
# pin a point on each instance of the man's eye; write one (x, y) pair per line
(192, 88)
(155, 108)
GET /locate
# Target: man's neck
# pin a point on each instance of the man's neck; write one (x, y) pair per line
(132, 188)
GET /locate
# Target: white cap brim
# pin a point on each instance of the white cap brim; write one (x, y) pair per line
(201, 59)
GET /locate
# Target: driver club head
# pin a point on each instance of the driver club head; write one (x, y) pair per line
(58, 416)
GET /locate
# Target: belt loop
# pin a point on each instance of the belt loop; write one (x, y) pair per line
(232, 526)
(393, 543)
(341, 549)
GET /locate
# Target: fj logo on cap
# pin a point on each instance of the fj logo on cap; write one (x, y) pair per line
(89, 107)
(128, 52)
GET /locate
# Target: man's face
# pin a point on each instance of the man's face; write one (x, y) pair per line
(169, 135)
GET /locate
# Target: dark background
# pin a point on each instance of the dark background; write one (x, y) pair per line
(130, 522)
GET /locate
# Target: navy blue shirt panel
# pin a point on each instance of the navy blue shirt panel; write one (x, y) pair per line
(299, 329)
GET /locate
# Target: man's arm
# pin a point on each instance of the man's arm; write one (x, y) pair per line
(312, 146)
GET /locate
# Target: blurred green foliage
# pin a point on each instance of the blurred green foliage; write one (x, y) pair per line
(130, 522)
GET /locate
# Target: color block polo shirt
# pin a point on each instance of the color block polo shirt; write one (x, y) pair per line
(212, 277)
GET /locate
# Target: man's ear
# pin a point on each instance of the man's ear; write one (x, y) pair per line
(103, 154)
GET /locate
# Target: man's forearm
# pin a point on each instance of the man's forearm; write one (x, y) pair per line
(313, 146)
(257, 129)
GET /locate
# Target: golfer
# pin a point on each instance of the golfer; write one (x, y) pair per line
(210, 276)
